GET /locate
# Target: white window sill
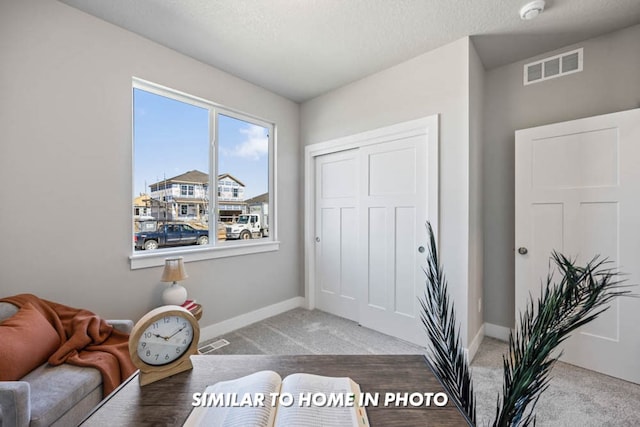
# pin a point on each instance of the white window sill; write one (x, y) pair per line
(144, 259)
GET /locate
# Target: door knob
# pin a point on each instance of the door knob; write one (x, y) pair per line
(318, 239)
(523, 251)
(421, 249)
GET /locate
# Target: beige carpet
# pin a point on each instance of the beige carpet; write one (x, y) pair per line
(576, 397)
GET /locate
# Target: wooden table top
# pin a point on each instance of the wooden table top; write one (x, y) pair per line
(168, 402)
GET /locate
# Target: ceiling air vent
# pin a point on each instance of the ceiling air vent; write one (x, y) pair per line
(554, 66)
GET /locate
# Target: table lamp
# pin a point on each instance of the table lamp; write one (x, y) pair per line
(173, 272)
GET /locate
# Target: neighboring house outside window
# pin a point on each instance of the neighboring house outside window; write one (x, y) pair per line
(230, 198)
(142, 206)
(173, 196)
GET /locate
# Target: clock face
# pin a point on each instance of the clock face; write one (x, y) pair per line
(165, 340)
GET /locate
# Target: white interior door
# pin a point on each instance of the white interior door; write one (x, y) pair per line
(337, 233)
(393, 213)
(578, 192)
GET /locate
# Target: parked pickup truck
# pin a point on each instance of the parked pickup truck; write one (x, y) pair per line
(170, 235)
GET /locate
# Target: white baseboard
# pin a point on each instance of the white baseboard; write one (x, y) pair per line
(475, 344)
(226, 326)
(496, 331)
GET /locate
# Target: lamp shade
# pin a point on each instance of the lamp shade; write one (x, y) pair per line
(173, 270)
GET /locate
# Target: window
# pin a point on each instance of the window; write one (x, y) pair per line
(171, 144)
(186, 190)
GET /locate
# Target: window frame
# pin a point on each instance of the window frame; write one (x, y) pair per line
(144, 259)
(187, 190)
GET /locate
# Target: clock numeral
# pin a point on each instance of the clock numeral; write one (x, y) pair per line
(157, 355)
(167, 320)
(143, 344)
(178, 350)
(155, 325)
(148, 334)
(166, 356)
(184, 341)
(148, 353)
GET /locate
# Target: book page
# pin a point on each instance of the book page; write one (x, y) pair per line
(228, 415)
(308, 414)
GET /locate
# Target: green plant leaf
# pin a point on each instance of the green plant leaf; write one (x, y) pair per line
(581, 295)
(446, 354)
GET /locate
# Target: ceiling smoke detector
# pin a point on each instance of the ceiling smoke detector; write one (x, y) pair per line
(532, 9)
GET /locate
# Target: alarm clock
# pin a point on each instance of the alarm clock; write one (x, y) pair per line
(162, 342)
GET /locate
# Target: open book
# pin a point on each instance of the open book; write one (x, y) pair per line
(264, 399)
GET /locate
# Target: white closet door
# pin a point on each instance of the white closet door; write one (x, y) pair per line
(373, 194)
(337, 233)
(393, 213)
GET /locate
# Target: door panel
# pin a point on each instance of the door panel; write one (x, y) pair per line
(601, 239)
(330, 237)
(378, 270)
(393, 172)
(577, 186)
(561, 161)
(406, 271)
(337, 233)
(393, 214)
(349, 250)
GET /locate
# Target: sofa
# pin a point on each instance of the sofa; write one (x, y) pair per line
(51, 395)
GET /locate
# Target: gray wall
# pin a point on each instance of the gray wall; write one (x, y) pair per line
(65, 163)
(65, 168)
(610, 82)
(476, 234)
(436, 82)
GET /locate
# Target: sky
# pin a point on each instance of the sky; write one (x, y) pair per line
(171, 138)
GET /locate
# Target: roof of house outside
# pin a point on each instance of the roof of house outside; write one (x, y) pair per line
(191, 177)
(195, 177)
(262, 198)
(228, 175)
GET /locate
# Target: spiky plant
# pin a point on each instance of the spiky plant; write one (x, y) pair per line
(445, 351)
(581, 295)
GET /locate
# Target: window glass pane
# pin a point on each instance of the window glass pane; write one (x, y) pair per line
(243, 165)
(171, 171)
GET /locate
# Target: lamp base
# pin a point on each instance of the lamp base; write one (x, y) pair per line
(174, 295)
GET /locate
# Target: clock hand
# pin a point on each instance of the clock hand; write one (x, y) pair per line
(172, 335)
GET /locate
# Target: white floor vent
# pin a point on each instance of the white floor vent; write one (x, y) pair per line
(213, 346)
(552, 67)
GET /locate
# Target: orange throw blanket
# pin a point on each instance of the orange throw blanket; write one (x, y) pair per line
(86, 340)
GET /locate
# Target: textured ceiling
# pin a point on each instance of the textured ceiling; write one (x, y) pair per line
(303, 48)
